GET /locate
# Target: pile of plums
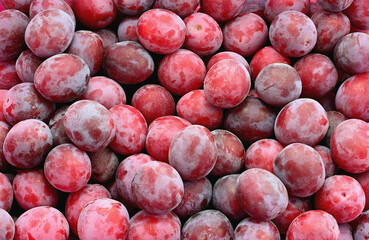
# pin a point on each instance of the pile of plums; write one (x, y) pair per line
(184, 119)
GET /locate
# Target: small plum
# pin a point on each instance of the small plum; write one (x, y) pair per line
(314, 224)
(300, 168)
(293, 34)
(161, 31)
(253, 185)
(197, 196)
(193, 152)
(157, 187)
(42, 223)
(67, 168)
(89, 125)
(103, 218)
(144, 225)
(207, 223)
(50, 32)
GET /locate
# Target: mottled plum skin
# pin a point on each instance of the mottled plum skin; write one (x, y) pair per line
(38, 6)
(225, 197)
(253, 185)
(161, 31)
(195, 108)
(103, 218)
(203, 34)
(335, 5)
(7, 226)
(133, 8)
(293, 34)
(314, 8)
(88, 46)
(351, 51)
(222, 10)
(131, 130)
(76, 201)
(197, 196)
(193, 152)
(334, 118)
(351, 97)
(56, 125)
(128, 62)
(42, 223)
(245, 34)
(227, 84)
(26, 143)
(13, 25)
(67, 168)
(330, 166)
(125, 174)
(303, 120)
(23, 102)
(358, 14)
(127, 29)
(295, 207)
(207, 223)
(181, 72)
(314, 224)
(31, 189)
(278, 84)
(62, 78)
(252, 120)
(300, 168)
(161, 133)
(318, 75)
(8, 75)
(274, 7)
(26, 65)
(361, 231)
(20, 5)
(153, 101)
(182, 8)
(349, 145)
(331, 27)
(230, 151)
(2, 97)
(341, 196)
(95, 14)
(4, 129)
(157, 187)
(56, 29)
(89, 125)
(104, 164)
(264, 57)
(227, 55)
(6, 193)
(108, 37)
(261, 154)
(144, 225)
(105, 91)
(251, 228)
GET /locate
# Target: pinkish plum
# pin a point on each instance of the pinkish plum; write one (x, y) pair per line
(89, 125)
(62, 78)
(203, 34)
(195, 108)
(253, 185)
(300, 168)
(245, 34)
